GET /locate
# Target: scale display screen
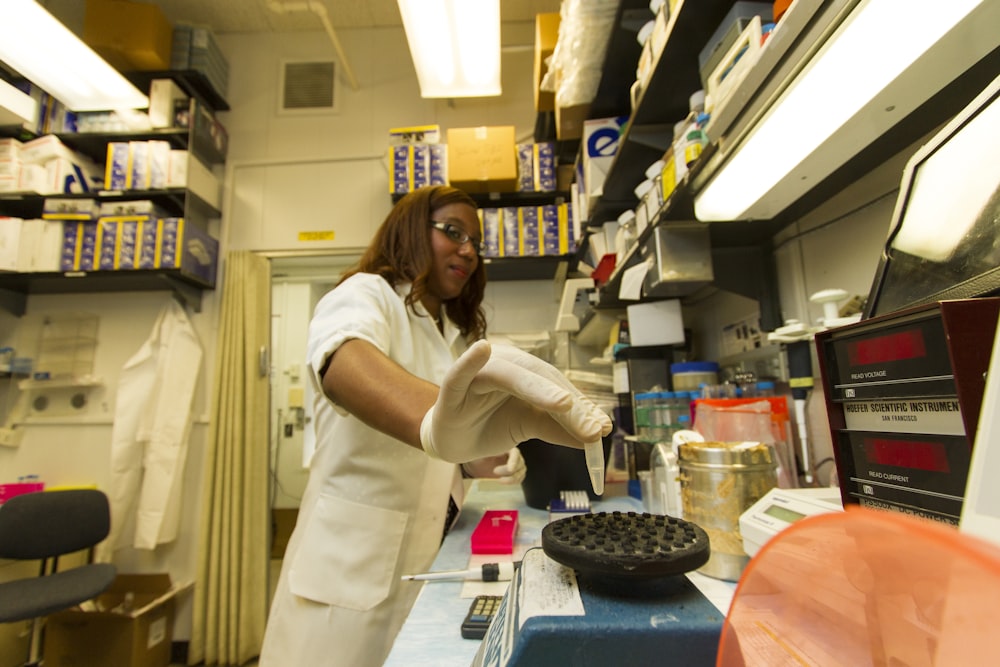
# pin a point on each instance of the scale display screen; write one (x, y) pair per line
(783, 513)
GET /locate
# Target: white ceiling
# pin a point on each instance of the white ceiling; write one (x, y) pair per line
(224, 16)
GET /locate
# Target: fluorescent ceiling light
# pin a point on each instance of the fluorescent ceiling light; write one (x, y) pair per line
(876, 45)
(50, 56)
(455, 45)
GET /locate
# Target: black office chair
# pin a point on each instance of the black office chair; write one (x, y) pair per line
(43, 526)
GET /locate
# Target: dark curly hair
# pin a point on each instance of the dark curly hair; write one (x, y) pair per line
(401, 252)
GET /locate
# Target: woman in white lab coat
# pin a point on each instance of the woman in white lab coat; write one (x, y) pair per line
(388, 439)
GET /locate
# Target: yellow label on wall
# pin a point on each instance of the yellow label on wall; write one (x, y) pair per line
(316, 236)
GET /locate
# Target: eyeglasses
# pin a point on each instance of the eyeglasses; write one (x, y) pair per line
(458, 235)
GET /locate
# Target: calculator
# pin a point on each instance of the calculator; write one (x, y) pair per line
(481, 612)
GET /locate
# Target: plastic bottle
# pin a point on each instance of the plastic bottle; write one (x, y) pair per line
(643, 408)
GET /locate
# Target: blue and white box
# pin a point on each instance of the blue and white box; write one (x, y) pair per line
(491, 231)
(599, 146)
(159, 164)
(439, 164)
(138, 165)
(188, 247)
(510, 237)
(549, 224)
(116, 170)
(529, 217)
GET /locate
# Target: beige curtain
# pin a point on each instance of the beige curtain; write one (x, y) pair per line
(231, 591)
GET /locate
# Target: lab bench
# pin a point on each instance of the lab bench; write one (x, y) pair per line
(431, 635)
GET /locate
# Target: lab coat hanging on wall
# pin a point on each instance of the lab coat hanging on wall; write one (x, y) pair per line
(149, 436)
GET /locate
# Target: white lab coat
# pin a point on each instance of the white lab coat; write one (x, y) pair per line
(149, 436)
(373, 509)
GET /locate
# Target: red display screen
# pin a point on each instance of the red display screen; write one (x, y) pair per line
(890, 347)
(914, 454)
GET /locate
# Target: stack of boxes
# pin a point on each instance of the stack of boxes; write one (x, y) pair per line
(140, 165)
(536, 167)
(129, 35)
(527, 231)
(417, 158)
(29, 245)
(45, 166)
(195, 48)
(80, 235)
(483, 160)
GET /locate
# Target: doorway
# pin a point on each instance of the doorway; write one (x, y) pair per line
(297, 284)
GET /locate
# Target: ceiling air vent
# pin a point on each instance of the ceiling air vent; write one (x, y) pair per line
(308, 87)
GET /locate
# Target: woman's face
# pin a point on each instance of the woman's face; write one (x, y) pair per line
(453, 262)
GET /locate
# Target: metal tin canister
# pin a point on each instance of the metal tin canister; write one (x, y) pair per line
(720, 481)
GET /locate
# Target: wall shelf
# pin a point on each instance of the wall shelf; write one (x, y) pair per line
(177, 202)
(503, 199)
(524, 268)
(192, 82)
(15, 287)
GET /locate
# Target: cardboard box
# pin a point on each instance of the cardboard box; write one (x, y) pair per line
(482, 159)
(140, 637)
(569, 121)
(164, 98)
(656, 323)
(185, 246)
(546, 36)
(129, 35)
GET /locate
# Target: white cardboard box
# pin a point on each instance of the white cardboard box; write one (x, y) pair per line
(656, 323)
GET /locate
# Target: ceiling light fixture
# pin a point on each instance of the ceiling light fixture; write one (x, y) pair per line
(878, 66)
(50, 56)
(455, 45)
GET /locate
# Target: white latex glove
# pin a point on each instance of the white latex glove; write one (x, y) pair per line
(514, 471)
(492, 399)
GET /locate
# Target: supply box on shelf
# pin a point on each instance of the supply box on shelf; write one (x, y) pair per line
(129, 35)
(599, 146)
(416, 158)
(482, 159)
(546, 36)
(728, 33)
(132, 626)
(680, 260)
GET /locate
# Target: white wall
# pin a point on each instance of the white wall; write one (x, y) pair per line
(327, 171)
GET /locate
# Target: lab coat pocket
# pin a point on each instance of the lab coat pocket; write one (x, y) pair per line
(348, 554)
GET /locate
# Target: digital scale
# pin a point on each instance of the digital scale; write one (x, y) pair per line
(780, 508)
(903, 397)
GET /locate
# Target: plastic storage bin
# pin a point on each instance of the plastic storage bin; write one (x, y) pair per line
(690, 375)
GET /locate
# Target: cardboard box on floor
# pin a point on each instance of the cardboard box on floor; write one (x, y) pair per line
(482, 159)
(108, 636)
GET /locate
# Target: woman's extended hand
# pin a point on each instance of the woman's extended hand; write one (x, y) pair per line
(494, 398)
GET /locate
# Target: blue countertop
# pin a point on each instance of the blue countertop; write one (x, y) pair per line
(432, 636)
